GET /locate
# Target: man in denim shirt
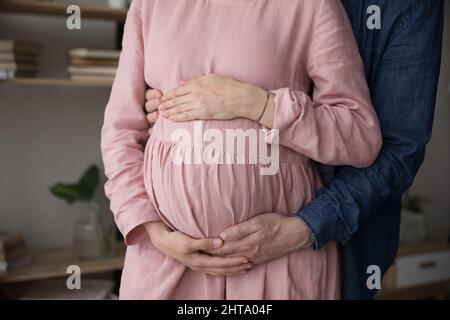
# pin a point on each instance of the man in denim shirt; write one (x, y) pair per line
(360, 208)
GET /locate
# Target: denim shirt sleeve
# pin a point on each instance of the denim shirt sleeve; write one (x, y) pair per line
(403, 88)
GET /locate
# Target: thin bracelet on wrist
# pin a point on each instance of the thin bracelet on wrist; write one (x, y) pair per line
(265, 107)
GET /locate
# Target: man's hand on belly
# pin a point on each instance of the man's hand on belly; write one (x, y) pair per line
(264, 238)
(190, 252)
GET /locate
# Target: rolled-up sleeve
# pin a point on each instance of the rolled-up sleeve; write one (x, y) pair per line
(338, 126)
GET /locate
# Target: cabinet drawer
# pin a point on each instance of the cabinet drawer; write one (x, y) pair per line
(422, 269)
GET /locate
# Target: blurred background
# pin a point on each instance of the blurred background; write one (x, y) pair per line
(53, 211)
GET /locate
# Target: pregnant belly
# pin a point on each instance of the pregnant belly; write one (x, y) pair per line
(203, 199)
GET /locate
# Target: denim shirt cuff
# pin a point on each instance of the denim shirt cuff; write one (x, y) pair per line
(324, 226)
(312, 234)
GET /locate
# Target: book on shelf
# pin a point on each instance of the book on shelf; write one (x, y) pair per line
(92, 71)
(14, 252)
(18, 58)
(19, 66)
(94, 54)
(11, 74)
(93, 62)
(108, 80)
(18, 46)
(10, 241)
(93, 65)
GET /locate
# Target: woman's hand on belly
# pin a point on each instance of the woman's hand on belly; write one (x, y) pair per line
(191, 252)
(213, 97)
(264, 238)
(153, 100)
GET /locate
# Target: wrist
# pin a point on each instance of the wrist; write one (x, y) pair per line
(157, 232)
(153, 228)
(254, 104)
(301, 234)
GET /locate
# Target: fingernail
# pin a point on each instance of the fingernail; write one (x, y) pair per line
(224, 236)
(217, 243)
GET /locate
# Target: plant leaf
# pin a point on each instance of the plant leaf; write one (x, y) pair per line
(69, 192)
(90, 180)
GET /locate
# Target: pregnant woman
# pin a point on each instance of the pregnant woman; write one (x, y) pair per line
(228, 68)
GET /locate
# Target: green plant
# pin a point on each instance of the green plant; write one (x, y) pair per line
(83, 190)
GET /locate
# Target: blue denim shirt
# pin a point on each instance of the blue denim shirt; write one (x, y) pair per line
(360, 208)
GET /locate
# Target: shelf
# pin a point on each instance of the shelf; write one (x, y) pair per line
(58, 82)
(411, 249)
(59, 9)
(48, 264)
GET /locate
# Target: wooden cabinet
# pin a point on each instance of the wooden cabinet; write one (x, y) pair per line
(420, 272)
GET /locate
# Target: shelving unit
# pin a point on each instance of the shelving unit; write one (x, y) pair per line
(58, 82)
(53, 263)
(59, 9)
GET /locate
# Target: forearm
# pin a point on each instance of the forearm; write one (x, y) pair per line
(155, 227)
(354, 194)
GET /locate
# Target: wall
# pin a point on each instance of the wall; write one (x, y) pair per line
(432, 182)
(50, 134)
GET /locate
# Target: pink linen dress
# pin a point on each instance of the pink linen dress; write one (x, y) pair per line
(283, 46)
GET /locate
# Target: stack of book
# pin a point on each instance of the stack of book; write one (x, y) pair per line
(93, 65)
(13, 252)
(19, 59)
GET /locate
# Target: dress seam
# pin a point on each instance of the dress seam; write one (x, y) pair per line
(247, 157)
